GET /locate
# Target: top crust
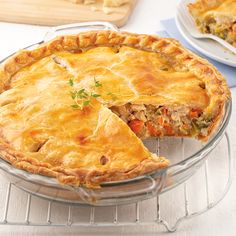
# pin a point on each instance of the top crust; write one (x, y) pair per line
(224, 7)
(204, 5)
(169, 49)
(215, 83)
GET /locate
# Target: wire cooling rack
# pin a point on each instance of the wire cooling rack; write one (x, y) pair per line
(194, 197)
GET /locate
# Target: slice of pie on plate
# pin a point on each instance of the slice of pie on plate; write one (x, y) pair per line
(216, 17)
(77, 107)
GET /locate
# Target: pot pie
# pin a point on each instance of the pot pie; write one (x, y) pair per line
(216, 17)
(76, 108)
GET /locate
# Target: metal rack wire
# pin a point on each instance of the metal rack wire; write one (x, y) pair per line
(92, 216)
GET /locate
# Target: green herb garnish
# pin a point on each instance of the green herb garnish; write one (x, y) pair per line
(97, 83)
(86, 103)
(75, 106)
(71, 82)
(95, 95)
(82, 97)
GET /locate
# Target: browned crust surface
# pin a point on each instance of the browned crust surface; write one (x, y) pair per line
(201, 6)
(216, 86)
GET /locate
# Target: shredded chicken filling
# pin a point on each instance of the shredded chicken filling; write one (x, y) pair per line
(148, 120)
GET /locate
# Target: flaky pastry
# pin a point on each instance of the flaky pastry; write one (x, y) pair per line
(77, 107)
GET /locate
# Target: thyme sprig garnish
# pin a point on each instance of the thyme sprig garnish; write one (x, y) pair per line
(71, 82)
(97, 83)
(82, 97)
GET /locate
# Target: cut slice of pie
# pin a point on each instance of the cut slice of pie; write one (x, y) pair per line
(76, 107)
(217, 17)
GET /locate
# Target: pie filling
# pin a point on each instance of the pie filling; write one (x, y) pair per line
(222, 27)
(152, 121)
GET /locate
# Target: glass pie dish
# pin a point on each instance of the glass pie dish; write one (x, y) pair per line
(186, 157)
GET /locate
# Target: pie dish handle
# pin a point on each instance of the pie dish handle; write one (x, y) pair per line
(123, 191)
(75, 27)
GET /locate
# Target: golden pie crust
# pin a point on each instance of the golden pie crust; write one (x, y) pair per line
(41, 132)
(201, 7)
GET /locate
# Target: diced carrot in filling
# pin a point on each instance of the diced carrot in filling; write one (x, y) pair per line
(168, 128)
(194, 113)
(160, 120)
(164, 111)
(136, 125)
(152, 130)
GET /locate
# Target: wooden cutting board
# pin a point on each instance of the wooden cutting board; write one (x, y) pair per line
(58, 12)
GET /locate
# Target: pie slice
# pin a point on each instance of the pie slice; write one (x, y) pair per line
(217, 17)
(77, 107)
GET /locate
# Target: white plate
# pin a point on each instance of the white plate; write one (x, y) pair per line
(207, 47)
